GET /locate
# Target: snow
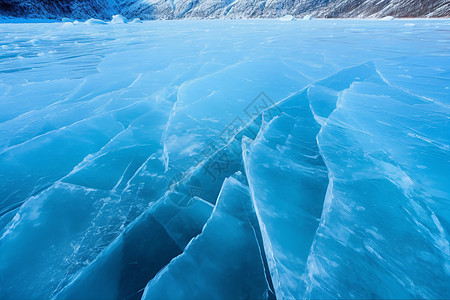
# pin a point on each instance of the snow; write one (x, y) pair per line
(138, 157)
(287, 18)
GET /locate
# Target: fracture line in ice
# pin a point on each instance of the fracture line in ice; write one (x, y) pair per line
(323, 270)
(140, 251)
(137, 186)
(261, 154)
(228, 245)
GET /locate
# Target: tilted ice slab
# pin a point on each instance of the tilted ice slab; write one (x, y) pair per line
(140, 252)
(102, 126)
(284, 160)
(375, 155)
(387, 202)
(226, 261)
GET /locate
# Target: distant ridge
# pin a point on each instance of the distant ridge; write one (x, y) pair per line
(207, 9)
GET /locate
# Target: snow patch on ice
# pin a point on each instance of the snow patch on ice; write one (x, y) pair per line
(287, 18)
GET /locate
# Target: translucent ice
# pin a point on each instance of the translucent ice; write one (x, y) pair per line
(225, 261)
(140, 252)
(388, 178)
(284, 160)
(118, 145)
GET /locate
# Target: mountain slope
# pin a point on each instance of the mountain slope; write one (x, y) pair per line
(163, 9)
(177, 9)
(48, 9)
(377, 8)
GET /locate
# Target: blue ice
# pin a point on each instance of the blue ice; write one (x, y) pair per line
(250, 159)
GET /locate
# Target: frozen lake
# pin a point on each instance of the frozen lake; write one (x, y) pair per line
(323, 146)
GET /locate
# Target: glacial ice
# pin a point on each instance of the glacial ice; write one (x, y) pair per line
(225, 159)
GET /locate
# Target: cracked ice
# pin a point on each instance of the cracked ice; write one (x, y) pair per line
(238, 159)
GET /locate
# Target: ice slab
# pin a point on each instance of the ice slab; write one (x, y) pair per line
(122, 270)
(225, 262)
(284, 160)
(379, 191)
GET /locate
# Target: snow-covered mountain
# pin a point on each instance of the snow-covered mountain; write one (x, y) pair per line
(381, 8)
(177, 9)
(51, 9)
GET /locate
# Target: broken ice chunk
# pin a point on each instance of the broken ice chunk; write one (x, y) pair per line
(123, 269)
(225, 261)
(118, 19)
(136, 21)
(381, 210)
(95, 21)
(288, 180)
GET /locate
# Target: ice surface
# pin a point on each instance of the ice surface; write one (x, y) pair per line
(116, 142)
(224, 261)
(371, 178)
(284, 160)
(140, 252)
